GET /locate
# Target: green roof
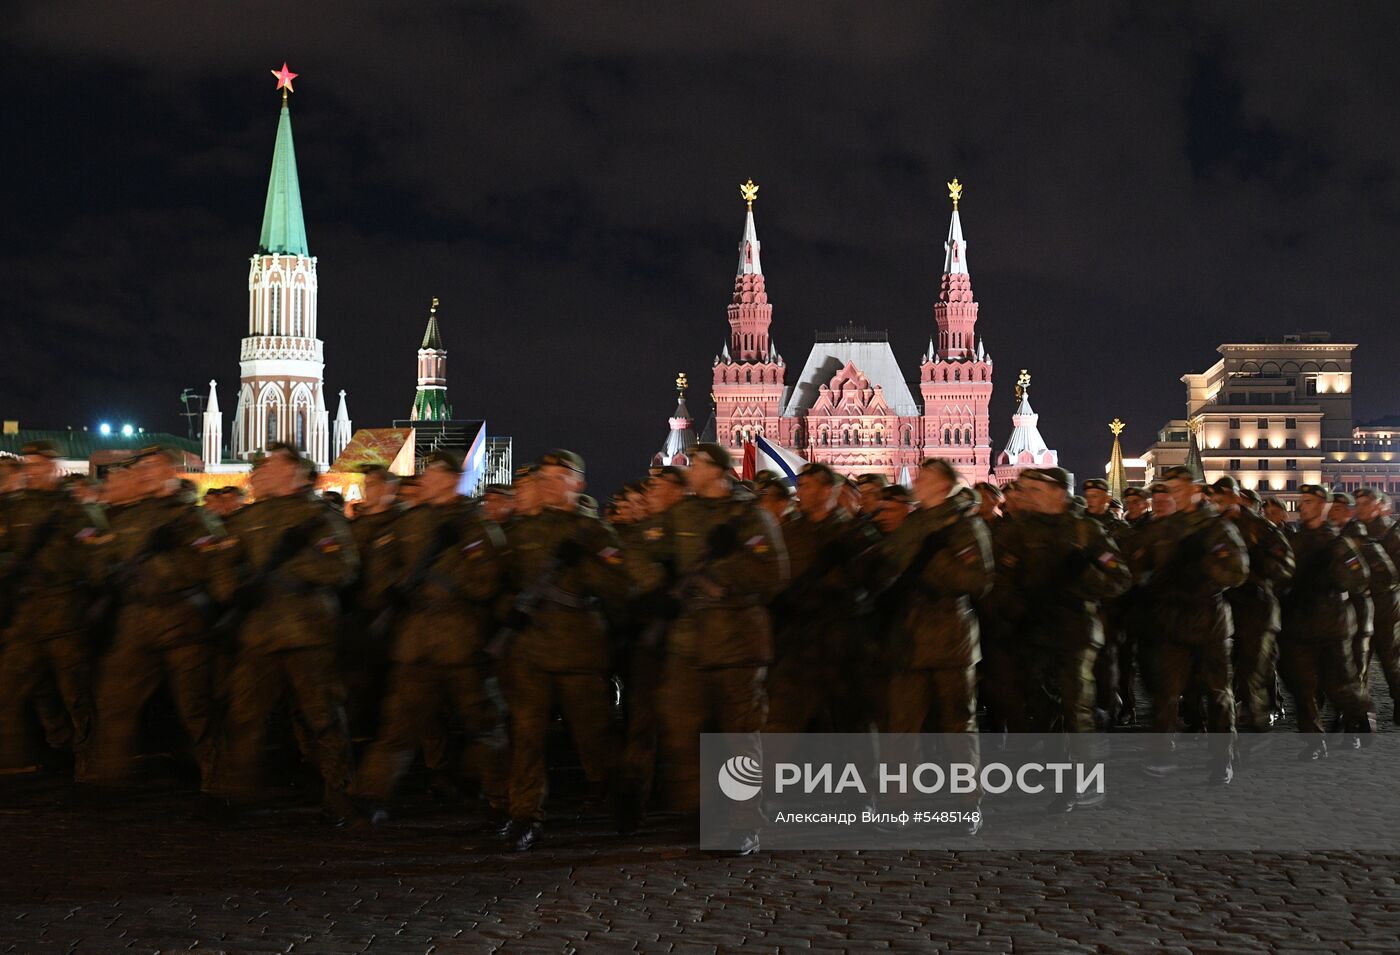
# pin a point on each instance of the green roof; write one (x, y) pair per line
(283, 228)
(430, 404)
(80, 445)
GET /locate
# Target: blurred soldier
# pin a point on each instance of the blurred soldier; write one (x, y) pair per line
(1132, 614)
(990, 498)
(527, 496)
(1195, 559)
(942, 560)
(365, 647)
(727, 558)
(643, 548)
(44, 569)
(159, 561)
(1277, 515)
(1249, 498)
(446, 564)
(775, 497)
(1108, 703)
(1318, 620)
(1062, 565)
(285, 558)
(497, 501)
(1254, 605)
(564, 566)
(821, 666)
(870, 487)
(893, 509)
(1372, 509)
(1342, 515)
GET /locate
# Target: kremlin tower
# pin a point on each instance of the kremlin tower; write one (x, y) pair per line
(281, 395)
(852, 407)
(1025, 448)
(430, 402)
(681, 437)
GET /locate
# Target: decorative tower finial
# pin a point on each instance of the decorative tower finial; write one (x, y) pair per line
(284, 80)
(749, 191)
(1023, 382)
(433, 309)
(955, 192)
(681, 383)
(1116, 426)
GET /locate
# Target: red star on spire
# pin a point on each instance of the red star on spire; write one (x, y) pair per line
(284, 77)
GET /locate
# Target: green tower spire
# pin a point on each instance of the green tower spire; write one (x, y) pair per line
(283, 228)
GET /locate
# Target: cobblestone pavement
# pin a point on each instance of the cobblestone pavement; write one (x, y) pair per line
(143, 876)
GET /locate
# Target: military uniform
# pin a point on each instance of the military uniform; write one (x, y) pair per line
(158, 560)
(1062, 566)
(719, 648)
(572, 564)
(821, 664)
(1381, 584)
(1135, 617)
(639, 665)
(365, 649)
(1254, 606)
(1318, 621)
(943, 558)
(284, 561)
(1000, 678)
(1195, 558)
(1107, 699)
(46, 632)
(1386, 602)
(446, 564)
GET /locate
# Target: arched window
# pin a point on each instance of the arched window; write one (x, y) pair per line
(298, 294)
(274, 309)
(967, 437)
(947, 437)
(299, 424)
(908, 438)
(271, 434)
(957, 374)
(825, 438)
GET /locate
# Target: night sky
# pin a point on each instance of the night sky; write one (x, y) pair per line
(1143, 182)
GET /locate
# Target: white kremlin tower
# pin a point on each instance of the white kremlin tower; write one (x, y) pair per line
(1025, 448)
(281, 394)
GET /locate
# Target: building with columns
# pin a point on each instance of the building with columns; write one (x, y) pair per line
(851, 406)
(281, 392)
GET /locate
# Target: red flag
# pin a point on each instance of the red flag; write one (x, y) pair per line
(750, 467)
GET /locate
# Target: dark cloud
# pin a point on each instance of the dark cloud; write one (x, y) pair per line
(1144, 182)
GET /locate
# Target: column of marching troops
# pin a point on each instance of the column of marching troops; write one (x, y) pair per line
(457, 629)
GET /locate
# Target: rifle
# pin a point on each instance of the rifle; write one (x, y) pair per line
(446, 535)
(522, 610)
(666, 602)
(252, 591)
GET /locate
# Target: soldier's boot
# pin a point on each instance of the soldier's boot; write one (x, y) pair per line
(1314, 748)
(522, 835)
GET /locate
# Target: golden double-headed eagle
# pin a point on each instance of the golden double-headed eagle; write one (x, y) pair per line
(749, 191)
(955, 189)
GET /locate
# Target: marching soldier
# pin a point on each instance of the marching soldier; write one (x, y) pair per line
(285, 558)
(1062, 565)
(365, 652)
(445, 564)
(564, 565)
(1314, 650)
(1342, 515)
(1254, 605)
(727, 559)
(1372, 510)
(44, 569)
(1137, 505)
(1195, 559)
(942, 559)
(158, 558)
(643, 544)
(1108, 703)
(821, 664)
